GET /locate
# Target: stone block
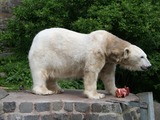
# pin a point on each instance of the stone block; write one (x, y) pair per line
(116, 108)
(14, 117)
(47, 117)
(9, 107)
(76, 117)
(68, 106)
(2, 117)
(31, 117)
(91, 117)
(96, 107)
(1, 108)
(133, 114)
(127, 116)
(3, 93)
(61, 116)
(138, 110)
(82, 107)
(108, 117)
(26, 107)
(124, 107)
(57, 106)
(107, 107)
(41, 107)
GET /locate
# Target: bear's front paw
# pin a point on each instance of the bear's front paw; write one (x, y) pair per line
(122, 92)
(94, 95)
(98, 96)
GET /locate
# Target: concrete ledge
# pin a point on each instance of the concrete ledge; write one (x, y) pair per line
(71, 105)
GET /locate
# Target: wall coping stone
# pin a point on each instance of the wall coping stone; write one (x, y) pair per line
(71, 105)
(67, 96)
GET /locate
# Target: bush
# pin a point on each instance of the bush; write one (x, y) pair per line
(17, 72)
(31, 16)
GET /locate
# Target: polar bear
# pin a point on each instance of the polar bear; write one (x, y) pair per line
(61, 53)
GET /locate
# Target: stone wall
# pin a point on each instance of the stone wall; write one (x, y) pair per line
(71, 105)
(6, 11)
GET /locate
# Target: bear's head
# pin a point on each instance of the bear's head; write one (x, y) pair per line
(135, 59)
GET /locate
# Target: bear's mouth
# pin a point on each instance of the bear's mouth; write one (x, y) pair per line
(144, 68)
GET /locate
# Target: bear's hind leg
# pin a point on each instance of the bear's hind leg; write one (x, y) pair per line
(39, 83)
(53, 86)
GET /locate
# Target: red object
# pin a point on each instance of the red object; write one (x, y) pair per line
(122, 92)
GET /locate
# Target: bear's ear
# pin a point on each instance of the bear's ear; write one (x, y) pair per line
(126, 53)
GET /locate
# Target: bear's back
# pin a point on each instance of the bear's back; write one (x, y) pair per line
(60, 38)
(61, 49)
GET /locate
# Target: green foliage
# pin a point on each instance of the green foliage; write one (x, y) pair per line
(76, 84)
(31, 17)
(71, 84)
(17, 72)
(136, 21)
(34, 15)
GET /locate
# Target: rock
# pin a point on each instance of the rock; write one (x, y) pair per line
(9, 107)
(6, 11)
(3, 93)
(2, 75)
(2, 55)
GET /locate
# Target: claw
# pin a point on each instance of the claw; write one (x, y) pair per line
(122, 92)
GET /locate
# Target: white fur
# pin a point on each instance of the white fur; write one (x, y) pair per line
(135, 62)
(60, 53)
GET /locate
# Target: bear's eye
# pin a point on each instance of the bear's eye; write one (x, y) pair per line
(142, 56)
